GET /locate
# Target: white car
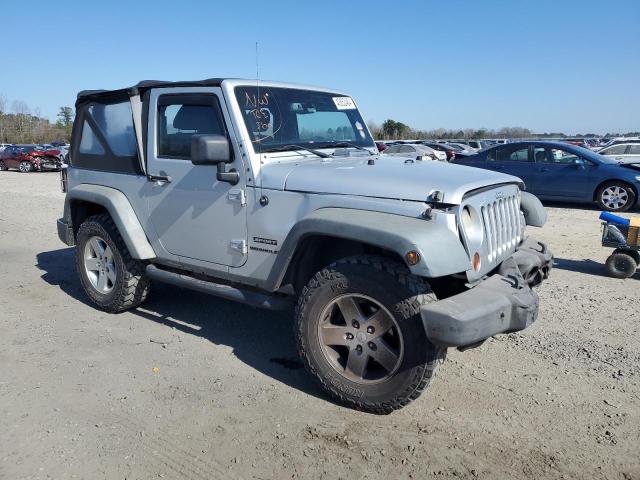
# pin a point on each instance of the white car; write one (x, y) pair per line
(421, 152)
(623, 152)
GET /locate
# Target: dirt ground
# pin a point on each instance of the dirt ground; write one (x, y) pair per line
(195, 387)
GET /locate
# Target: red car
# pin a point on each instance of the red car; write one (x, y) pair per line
(29, 158)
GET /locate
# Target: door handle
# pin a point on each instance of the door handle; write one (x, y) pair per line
(159, 178)
(544, 169)
(499, 167)
(619, 158)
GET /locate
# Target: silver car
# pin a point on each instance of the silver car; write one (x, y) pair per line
(415, 151)
(623, 152)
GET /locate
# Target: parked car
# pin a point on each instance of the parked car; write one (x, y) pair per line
(381, 146)
(229, 202)
(616, 141)
(479, 144)
(463, 148)
(29, 158)
(415, 151)
(564, 172)
(623, 152)
(449, 151)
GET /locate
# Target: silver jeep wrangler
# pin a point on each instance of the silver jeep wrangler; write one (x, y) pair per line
(274, 195)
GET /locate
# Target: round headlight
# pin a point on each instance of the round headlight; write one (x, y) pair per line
(472, 226)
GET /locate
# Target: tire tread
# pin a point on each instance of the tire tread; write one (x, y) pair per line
(421, 295)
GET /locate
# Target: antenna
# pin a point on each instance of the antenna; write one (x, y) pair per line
(264, 200)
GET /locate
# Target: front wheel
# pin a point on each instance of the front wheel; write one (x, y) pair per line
(25, 166)
(110, 277)
(615, 197)
(360, 334)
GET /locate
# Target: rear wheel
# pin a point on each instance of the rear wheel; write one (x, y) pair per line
(110, 277)
(615, 197)
(621, 265)
(25, 166)
(360, 334)
(3, 167)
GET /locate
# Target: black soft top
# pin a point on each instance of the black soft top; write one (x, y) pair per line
(140, 88)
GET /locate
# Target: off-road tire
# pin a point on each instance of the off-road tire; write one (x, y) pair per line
(3, 167)
(631, 195)
(131, 286)
(621, 265)
(401, 293)
(25, 166)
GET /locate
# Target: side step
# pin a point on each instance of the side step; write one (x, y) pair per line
(255, 299)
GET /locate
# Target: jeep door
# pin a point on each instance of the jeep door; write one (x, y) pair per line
(194, 215)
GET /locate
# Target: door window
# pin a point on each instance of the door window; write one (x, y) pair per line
(182, 116)
(392, 149)
(540, 155)
(407, 149)
(615, 150)
(509, 154)
(556, 155)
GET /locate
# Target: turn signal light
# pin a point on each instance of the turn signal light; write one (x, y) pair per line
(412, 257)
(477, 263)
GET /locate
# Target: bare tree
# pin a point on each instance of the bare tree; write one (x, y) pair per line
(3, 109)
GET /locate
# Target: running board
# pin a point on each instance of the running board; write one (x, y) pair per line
(255, 299)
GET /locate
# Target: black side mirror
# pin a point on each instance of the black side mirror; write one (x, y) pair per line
(214, 150)
(210, 150)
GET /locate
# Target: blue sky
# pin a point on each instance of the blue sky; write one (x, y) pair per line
(560, 65)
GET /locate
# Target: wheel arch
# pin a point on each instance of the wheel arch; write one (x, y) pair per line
(331, 233)
(86, 200)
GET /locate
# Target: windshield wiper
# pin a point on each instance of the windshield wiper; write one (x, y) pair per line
(285, 148)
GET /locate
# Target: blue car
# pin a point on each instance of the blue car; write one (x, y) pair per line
(563, 172)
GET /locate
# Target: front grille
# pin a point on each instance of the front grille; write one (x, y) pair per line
(502, 226)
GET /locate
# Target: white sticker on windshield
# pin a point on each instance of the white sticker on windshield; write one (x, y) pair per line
(344, 103)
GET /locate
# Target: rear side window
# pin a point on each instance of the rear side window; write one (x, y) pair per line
(634, 150)
(104, 137)
(89, 143)
(182, 116)
(116, 123)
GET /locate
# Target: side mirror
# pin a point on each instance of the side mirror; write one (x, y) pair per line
(579, 163)
(210, 150)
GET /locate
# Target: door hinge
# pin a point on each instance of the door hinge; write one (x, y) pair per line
(237, 195)
(239, 245)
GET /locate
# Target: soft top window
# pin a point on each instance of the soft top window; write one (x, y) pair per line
(104, 137)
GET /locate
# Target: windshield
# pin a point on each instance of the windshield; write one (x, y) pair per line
(279, 118)
(589, 154)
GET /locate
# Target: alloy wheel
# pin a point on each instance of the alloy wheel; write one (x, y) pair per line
(615, 197)
(360, 339)
(99, 265)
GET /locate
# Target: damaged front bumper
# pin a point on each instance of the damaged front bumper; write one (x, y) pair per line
(502, 303)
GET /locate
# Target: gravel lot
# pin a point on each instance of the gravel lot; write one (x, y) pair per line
(195, 387)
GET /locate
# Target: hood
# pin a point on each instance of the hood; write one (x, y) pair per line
(388, 177)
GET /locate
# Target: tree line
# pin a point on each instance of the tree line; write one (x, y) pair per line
(20, 124)
(394, 130)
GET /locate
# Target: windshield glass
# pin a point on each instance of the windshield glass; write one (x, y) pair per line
(279, 117)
